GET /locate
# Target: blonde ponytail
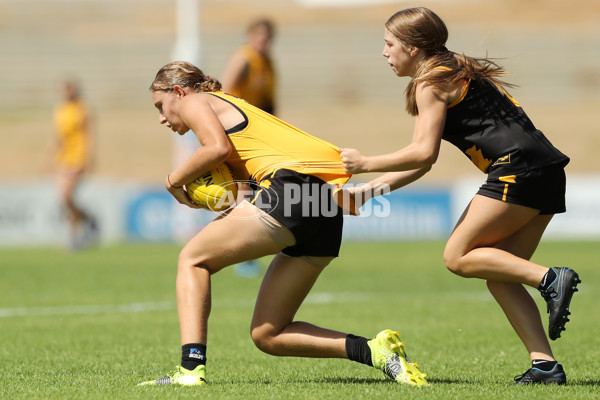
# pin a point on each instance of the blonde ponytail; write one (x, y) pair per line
(184, 74)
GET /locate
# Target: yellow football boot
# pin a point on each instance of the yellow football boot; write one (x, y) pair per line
(388, 355)
(182, 376)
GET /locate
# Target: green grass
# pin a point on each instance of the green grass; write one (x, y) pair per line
(70, 327)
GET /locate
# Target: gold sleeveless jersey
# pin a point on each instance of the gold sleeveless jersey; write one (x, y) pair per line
(69, 120)
(264, 144)
(257, 87)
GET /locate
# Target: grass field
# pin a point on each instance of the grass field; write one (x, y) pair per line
(92, 325)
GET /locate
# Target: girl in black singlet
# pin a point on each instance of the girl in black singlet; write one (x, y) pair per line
(463, 101)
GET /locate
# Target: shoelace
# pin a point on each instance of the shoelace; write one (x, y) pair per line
(524, 376)
(548, 295)
(166, 380)
(393, 367)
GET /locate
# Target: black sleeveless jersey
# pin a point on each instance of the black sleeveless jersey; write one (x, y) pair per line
(491, 128)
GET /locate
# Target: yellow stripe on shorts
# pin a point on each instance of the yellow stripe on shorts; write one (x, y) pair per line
(508, 179)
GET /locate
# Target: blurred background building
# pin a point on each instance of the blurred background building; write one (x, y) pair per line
(332, 81)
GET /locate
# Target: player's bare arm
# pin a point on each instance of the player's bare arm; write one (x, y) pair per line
(381, 185)
(425, 146)
(198, 114)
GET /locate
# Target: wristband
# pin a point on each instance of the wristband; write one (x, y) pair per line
(173, 186)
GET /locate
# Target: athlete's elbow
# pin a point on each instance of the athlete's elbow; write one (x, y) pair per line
(222, 152)
(425, 156)
(425, 169)
(428, 160)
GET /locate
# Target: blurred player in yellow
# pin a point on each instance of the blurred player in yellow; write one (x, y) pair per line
(250, 75)
(72, 149)
(290, 215)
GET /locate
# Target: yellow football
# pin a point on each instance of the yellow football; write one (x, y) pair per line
(215, 190)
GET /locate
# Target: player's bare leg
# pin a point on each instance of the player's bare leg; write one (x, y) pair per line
(67, 182)
(524, 316)
(286, 284)
(494, 240)
(218, 245)
(471, 250)
(516, 302)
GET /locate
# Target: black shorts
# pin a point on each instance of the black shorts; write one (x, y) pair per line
(304, 204)
(541, 188)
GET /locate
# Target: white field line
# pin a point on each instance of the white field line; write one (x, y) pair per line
(314, 298)
(87, 309)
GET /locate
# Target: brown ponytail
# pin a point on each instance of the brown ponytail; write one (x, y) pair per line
(422, 28)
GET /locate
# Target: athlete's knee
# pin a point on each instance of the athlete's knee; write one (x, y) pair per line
(193, 258)
(493, 285)
(263, 337)
(453, 261)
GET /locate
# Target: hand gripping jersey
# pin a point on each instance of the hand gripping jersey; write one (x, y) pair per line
(263, 144)
(491, 128)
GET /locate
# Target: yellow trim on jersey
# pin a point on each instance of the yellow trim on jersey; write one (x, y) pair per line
(465, 89)
(462, 95)
(267, 144)
(515, 102)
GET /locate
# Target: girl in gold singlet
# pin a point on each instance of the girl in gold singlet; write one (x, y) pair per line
(461, 100)
(250, 73)
(72, 147)
(280, 160)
